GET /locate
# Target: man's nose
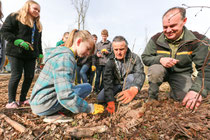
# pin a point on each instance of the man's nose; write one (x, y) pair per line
(118, 52)
(168, 30)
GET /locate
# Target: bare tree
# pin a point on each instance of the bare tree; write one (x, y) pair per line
(81, 7)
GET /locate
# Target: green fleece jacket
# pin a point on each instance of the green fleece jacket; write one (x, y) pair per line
(191, 49)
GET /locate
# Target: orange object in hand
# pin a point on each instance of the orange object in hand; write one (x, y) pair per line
(111, 107)
(127, 95)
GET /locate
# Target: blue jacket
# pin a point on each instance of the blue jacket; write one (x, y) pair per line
(55, 83)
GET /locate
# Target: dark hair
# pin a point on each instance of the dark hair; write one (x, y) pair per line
(94, 35)
(120, 39)
(1, 14)
(182, 11)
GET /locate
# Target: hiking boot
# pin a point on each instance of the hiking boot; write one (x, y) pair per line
(12, 105)
(57, 118)
(26, 102)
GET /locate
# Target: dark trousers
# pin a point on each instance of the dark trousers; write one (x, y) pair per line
(92, 74)
(117, 88)
(17, 67)
(99, 71)
(180, 83)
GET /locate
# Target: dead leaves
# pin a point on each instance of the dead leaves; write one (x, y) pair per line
(137, 120)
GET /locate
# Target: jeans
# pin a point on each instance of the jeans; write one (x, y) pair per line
(99, 71)
(82, 90)
(116, 88)
(18, 66)
(82, 73)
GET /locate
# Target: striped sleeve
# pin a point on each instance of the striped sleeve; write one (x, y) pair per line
(63, 81)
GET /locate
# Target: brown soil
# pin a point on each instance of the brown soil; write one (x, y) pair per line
(163, 119)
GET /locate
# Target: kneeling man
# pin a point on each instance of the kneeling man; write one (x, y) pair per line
(123, 65)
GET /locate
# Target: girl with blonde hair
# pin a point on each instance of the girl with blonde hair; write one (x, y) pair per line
(22, 30)
(54, 88)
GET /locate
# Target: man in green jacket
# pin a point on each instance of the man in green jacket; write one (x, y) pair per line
(170, 54)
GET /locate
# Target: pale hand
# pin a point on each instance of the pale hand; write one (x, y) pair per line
(99, 54)
(190, 98)
(106, 52)
(168, 62)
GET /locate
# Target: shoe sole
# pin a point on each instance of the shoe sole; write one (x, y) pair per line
(57, 119)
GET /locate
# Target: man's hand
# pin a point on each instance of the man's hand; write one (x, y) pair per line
(168, 62)
(98, 109)
(93, 68)
(190, 98)
(127, 95)
(21, 43)
(111, 107)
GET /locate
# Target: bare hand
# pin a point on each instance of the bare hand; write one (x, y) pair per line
(190, 98)
(106, 52)
(98, 54)
(168, 62)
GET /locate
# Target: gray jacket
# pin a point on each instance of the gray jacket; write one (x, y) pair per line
(114, 76)
(100, 46)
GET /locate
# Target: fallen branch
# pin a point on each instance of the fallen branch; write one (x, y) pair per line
(183, 130)
(13, 123)
(86, 131)
(203, 79)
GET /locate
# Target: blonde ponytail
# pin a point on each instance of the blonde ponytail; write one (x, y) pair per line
(83, 34)
(70, 40)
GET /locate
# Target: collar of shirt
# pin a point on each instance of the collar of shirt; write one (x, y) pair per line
(177, 41)
(106, 42)
(73, 53)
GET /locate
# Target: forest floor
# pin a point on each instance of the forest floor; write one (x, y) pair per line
(162, 119)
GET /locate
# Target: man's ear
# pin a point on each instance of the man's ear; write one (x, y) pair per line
(79, 41)
(185, 20)
(126, 47)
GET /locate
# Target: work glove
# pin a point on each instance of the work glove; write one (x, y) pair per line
(93, 68)
(98, 109)
(40, 59)
(104, 51)
(21, 43)
(111, 107)
(40, 55)
(41, 66)
(127, 95)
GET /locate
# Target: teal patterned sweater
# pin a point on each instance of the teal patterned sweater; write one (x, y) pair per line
(55, 83)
